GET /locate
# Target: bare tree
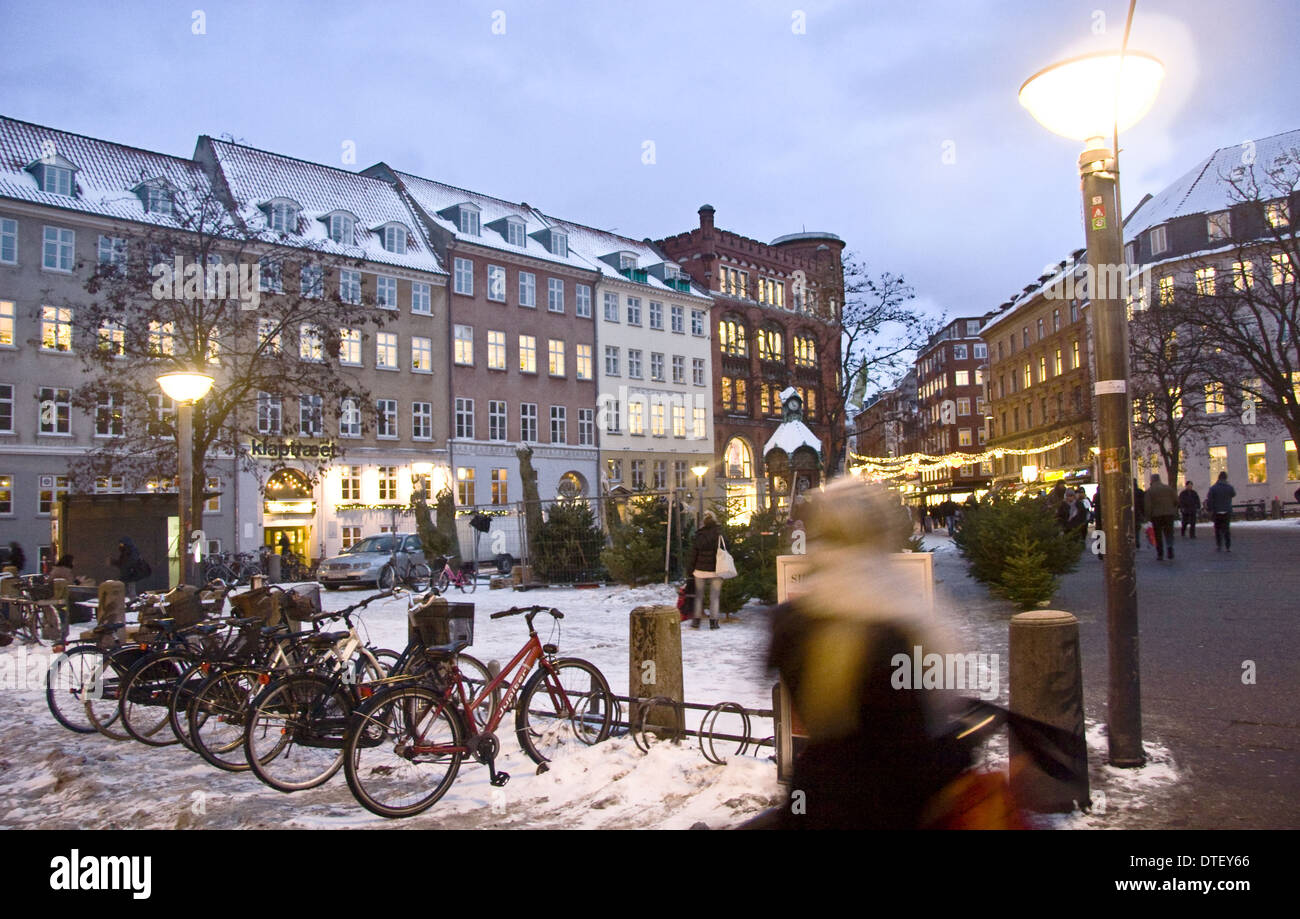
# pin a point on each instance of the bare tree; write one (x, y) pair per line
(261, 314)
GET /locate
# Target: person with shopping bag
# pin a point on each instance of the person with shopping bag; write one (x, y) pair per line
(709, 547)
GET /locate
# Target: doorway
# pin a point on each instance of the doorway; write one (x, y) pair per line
(299, 540)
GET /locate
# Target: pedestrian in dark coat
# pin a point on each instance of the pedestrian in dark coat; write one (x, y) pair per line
(703, 564)
(16, 557)
(128, 563)
(1139, 512)
(1162, 507)
(1189, 505)
(1220, 502)
(1072, 517)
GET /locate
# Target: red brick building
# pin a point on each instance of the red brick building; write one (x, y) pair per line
(776, 318)
(950, 396)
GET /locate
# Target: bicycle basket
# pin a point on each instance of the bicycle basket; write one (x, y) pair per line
(261, 603)
(302, 603)
(40, 588)
(441, 623)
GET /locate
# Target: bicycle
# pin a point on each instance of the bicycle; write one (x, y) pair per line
(404, 571)
(464, 579)
(405, 744)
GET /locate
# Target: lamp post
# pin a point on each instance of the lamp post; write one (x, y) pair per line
(185, 388)
(699, 471)
(1090, 99)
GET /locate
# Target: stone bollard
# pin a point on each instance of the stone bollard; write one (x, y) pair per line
(655, 665)
(273, 568)
(1047, 685)
(257, 582)
(112, 608)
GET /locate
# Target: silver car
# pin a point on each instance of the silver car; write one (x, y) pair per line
(385, 561)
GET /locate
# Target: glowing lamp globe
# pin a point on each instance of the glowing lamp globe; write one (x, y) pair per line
(699, 470)
(1092, 95)
(185, 385)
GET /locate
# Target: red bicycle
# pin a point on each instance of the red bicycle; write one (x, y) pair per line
(406, 743)
(463, 579)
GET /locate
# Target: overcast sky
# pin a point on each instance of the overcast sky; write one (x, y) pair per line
(808, 114)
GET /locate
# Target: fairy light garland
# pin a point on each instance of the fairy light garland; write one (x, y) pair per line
(894, 466)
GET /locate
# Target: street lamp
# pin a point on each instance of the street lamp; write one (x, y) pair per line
(1092, 98)
(185, 388)
(699, 471)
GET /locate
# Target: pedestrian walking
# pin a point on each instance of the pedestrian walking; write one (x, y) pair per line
(1220, 502)
(1072, 517)
(1189, 504)
(16, 558)
(948, 510)
(703, 564)
(1139, 512)
(1162, 507)
(131, 568)
(285, 546)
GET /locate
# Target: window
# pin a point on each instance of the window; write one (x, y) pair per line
(464, 417)
(613, 416)
(731, 338)
(981, 351)
(342, 229)
(805, 351)
(496, 289)
(55, 410)
(309, 416)
(963, 406)
(697, 371)
(656, 315)
(679, 368)
(1292, 461)
(634, 363)
(657, 419)
(350, 420)
(58, 249)
(555, 295)
(1040, 329)
(961, 377)
(49, 496)
(349, 285)
(496, 345)
(1278, 214)
(115, 485)
(395, 239)
(678, 319)
(1214, 404)
(349, 346)
(700, 419)
(528, 422)
(463, 345)
(6, 323)
(464, 277)
(656, 366)
(387, 483)
(528, 289)
(582, 356)
(1158, 241)
(108, 415)
(421, 420)
(1205, 282)
(1218, 226)
(56, 328)
(1024, 337)
(270, 277)
(311, 281)
(469, 223)
(527, 354)
(496, 420)
(8, 241)
(421, 301)
(611, 361)
(679, 419)
(611, 306)
(770, 345)
(638, 474)
(515, 232)
(1165, 290)
(1058, 362)
(268, 413)
(6, 408)
(310, 347)
(1042, 369)
(555, 352)
(421, 354)
(633, 310)
(385, 292)
(162, 340)
(111, 252)
(697, 322)
(614, 470)
(963, 437)
(559, 424)
(586, 427)
(636, 416)
(1256, 464)
(1218, 461)
(1282, 273)
(386, 418)
(661, 474)
(733, 395)
(500, 486)
(386, 350)
(1077, 359)
(351, 535)
(1243, 276)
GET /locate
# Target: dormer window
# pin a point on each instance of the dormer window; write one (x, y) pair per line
(559, 243)
(671, 272)
(342, 228)
(469, 220)
(515, 232)
(395, 239)
(283, 217)
(157, 200)
(57, 180)
(627, 261)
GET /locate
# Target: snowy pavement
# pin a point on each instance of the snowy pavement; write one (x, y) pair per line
(50, 777)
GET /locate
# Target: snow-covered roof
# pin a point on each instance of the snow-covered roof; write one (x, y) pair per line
(435, 197)
(1204, 189)
(257, 177)
(596, 245)
(105, 175)
(1075, 264)
(790, 436)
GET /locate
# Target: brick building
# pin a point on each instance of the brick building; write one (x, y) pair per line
(950, 403)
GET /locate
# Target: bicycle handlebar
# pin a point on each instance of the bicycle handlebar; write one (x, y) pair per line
(531, 610)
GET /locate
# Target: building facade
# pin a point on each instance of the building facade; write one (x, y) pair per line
(950, 401)
(776, 316)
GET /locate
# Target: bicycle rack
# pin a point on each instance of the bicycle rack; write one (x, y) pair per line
(639, 726)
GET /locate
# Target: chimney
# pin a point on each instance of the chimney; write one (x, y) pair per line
(706, 220)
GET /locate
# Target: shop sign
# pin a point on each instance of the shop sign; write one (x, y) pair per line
(293, 449)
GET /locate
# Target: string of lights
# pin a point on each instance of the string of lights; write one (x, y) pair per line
(892, 466)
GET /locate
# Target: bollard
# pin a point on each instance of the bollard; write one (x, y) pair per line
(655, 665)
(112, 608)
(257, 582)
(1047, 685)
(273, 568)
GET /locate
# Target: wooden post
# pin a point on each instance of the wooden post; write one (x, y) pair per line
(655, 663)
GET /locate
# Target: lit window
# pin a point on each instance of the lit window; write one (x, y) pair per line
(1282, 273)
(1256, 464)
(679, 419)
(349, 346)
(500, 486)
(527, 354)
(1292, 461)
(657, 419)
(496, 345)
(961, 377)
(463, 345)
(1278, 214)
(582, 356)
(1243, 276)
(421, 354)
(700, 420)
(556, 357)
(386, 351)
(310, 347)
(56, 328)
(48, 497)
(636, 417)
(1214, 404)
(1205, 282)
(162, 338)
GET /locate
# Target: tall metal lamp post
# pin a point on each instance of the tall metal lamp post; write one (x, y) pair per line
(699, 471)
(185, 387)
(1092, 98)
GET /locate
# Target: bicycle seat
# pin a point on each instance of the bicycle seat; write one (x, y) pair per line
(447, 650)
(107, 627)
(326, 638)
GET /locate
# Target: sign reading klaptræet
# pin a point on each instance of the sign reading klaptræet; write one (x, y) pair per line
(292, 449)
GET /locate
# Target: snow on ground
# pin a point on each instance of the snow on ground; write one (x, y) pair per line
(50, 777)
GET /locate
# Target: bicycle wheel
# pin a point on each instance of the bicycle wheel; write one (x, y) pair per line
(72, 677)
(560, 711)
(477, 677)
(469, 580)
(418, 577)
(295, 732)
(183, 693)
(146, 696)
(217, 716)
(387, 578)
(403, 751)
(103, 708)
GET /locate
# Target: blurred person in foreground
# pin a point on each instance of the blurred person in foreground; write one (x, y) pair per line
(879, 756)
